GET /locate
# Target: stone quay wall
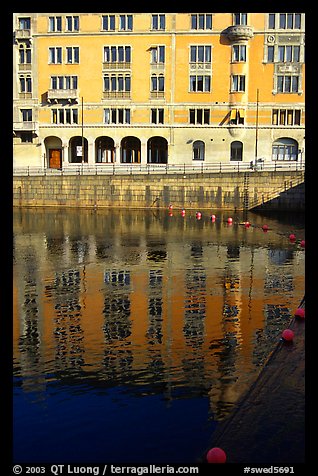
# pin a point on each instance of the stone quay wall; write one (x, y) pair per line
(277, 190)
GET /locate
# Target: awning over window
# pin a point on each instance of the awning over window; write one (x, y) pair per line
(242, 113)
(233, 114)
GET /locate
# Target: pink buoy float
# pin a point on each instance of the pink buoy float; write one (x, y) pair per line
(292, 237)
(288, 335)
(230, 220)
(265, 227)
(213, 217)
(216, 455)
(183, 212)
(302, 243)
(300, 313)
(198, 215)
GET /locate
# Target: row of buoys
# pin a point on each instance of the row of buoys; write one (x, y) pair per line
(218, 455)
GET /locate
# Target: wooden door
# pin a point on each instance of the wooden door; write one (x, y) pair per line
(55, 158)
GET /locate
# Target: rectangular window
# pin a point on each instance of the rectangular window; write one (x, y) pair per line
(239, 53)
(270, 54)
(287, 84)
(26, 115)
(158, 22)
(116, 116)
(290, 21)
(286, 117)
(117, 82)
(55, 24)
(55, 55)
(199, 116)
(65, 116)
(271, 21)
(157, 83)
(238, 83)
(288, 54)
(63, 82)
(72, 54)
(26, 137)
(25, 84)
(25, 23)
(201, 21)
(200, 54)
(157, 116)
(200, 83)
(72, 23)
(240, 19)
(117, 54)
(25, 55)
(108, 22)
(125, 22)
(158, 54)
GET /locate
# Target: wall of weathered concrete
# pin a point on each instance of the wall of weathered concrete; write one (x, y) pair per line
(238, 190)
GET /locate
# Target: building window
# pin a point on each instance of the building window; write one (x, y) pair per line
(158, 22)
(285, 149)
(72, 54)
(238, 83)
(200, 83)
(117, 54)
(237, 116)
(240, 19)
(26, 137)
(26, 115)
(157, 116)
(64, 82)
(200, 54)
(236, 151)
(25, 84)
(108, 22)
(239, 53)
(201, 21)
(290, 21)
(24, 23)
(55, 55)
(286, 117)
(157, 54)
(24, 54)
(55, 24)
(65, 116)
(105, 150)
(287, 84)
(288, 54)
(157, 82)
(198, 150)
(116, 82)
(116, 116)
(271, 21)
(270, 54)
(125, 22)
(72, 23)
(199, 116)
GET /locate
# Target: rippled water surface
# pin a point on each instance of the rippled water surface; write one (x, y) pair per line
(136, 332)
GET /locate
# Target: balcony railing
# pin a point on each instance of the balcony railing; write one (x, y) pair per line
(239, 33)
(22, 34)
(58, 94)
(24, 126)
(177, 169)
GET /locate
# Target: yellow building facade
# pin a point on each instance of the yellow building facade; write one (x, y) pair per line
(143, 88)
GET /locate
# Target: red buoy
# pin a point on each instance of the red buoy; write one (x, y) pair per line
(216, 455)
(302, 243)
(300, 313)
(213, 217)
(292, 237)
(230, 220)
(288, 335)
(198, 215)
(265, 227)
(170, 207)
(247, 224)
(183, 212)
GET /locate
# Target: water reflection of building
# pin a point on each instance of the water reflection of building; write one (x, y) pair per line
(160, 313)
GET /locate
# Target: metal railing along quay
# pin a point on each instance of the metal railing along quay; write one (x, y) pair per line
(140, 169)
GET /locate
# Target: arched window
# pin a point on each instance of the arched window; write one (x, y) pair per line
(75, 150)
(236, 150)
(285, 149)
(157, 150)
(104, 150)
(198, 150)
(130, 150)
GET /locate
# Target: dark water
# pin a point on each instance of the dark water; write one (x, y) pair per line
(136, 332)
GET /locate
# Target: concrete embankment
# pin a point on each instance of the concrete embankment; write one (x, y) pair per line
(268, 425)
(279, 190)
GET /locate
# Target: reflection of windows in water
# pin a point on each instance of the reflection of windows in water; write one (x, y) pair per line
(117, 278)
(195, 279)
(117, 312)
(278, 283)
(156, 255)
(231, 282)
(67, 279)
(154, 331)
(155, 277)
(280, 256)
(196, 250)
(233, 252)
(230, 311)
(194, 314)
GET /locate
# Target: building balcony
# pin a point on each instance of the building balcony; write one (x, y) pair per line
(25, 126)
(239, 33)
(22, 34)
(117, 65)
(55, 95)
(157, 94)
(116, 95)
